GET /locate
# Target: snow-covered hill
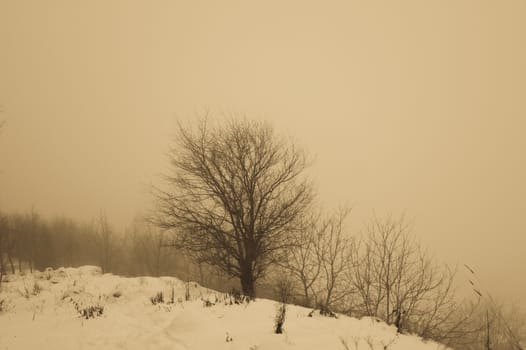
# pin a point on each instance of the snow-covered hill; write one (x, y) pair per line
(42, 311)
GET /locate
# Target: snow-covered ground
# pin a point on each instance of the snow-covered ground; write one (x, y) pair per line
(44, 316)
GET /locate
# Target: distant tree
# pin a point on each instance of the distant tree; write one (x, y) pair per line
(45, 255)
(23, 239)
(491, 325)
(505, 326)
(18, 228)
(234, 196)
(7, 243)
(147, 244)
(64, 238)
(29, 237)
(4, 237)
(106, 241)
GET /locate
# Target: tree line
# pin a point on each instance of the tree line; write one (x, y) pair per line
(29, 242)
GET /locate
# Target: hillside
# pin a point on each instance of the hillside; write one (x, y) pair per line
(42, 311)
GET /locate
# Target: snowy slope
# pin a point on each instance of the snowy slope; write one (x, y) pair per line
(46, 318)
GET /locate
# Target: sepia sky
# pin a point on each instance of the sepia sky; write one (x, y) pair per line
(415, 106)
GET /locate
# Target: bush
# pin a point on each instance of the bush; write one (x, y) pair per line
(33, 289)
(172, 298)
(37, 288)
(187, 291)
(280, 318)
(87, 312)
(324, 311)
(157, 298)
(284, 290)
(3, 305)
(235, 297)
(91, 311)
(207, 303)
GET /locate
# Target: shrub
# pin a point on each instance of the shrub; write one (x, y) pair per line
(37, 288)
(280, 318)
(207, 303)
(235, 297)
(157, 298)
(187, 291)
(33, 289)
(228, 338)
(87, 312)
(3, 305)
(172, 298)
(324, 311)
(91, 311)
(284, 290)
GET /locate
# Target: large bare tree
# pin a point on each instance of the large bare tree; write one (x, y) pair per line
(234, 196)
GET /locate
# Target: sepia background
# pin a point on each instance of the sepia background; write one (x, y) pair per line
(410, 106)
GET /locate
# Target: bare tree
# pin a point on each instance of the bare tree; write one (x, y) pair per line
(494, 326)
(398, 282)
(106, 243)
(303, 260)
(335, 250)
(234, 196)
(147, 246)
(506, 325)
(4, 237)
(63, 232)
(29, 231)
(320, 259)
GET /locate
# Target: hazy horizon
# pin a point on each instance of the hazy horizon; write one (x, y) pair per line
(411, 107)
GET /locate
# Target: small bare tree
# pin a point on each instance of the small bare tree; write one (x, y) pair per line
(335, 251)
(4, 237)
(106, 243)
(147, 244)
(494, 326)
(234, 196)
(320, 258)
(303, 259)
(398, 282)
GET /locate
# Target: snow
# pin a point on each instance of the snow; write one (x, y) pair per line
(45, 317)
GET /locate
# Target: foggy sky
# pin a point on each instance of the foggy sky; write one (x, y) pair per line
(415, 106)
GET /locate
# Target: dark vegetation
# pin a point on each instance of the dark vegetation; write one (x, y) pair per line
(280, 318)
(157, 298)
(91, 311)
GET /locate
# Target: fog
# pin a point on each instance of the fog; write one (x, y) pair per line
(411, 106)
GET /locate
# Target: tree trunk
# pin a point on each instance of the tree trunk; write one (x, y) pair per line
(248, 281)
(307, 296)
